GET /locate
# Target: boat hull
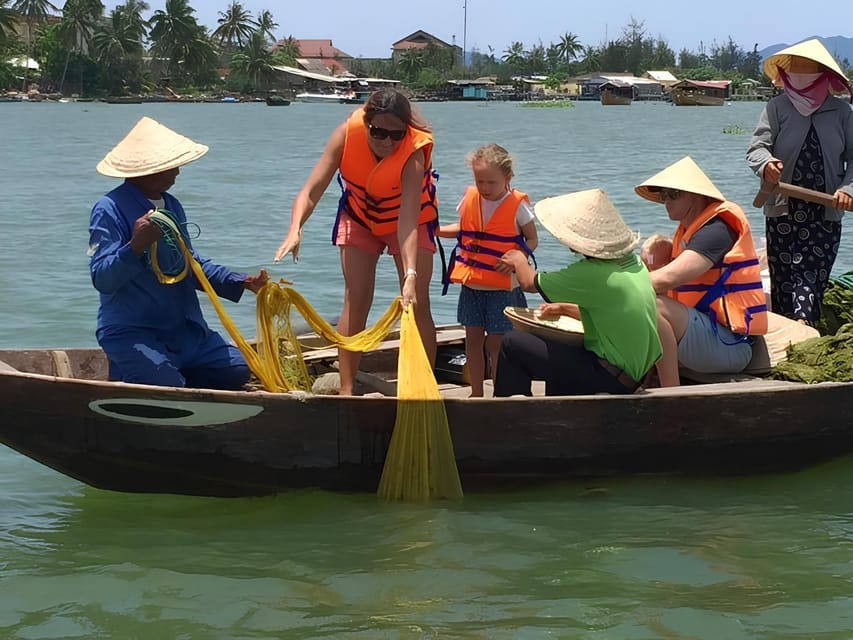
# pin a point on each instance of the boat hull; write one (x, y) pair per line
(611, 98)
(696, 100)
(138, 438)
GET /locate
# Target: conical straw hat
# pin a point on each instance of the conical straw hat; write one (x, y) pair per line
(587, 222)
(149, 148)
(810, 49)
(684, 175)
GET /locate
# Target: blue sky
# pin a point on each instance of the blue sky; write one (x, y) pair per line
(367, 28)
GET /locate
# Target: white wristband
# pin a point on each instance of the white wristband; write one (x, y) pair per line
(411, 272)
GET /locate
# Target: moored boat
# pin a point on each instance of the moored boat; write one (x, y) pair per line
(276, 100)
(141, 438)
(615, 93)
(335, 97)
(711, 93)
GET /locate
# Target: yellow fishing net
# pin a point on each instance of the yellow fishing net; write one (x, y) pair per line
(420, 463)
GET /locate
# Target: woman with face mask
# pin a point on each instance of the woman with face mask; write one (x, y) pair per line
(804, 137)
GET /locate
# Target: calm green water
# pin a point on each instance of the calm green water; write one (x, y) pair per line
(765, 557)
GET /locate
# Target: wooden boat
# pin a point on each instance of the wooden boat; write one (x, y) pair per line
(57, 407)
(711, 93)
(123, 99)
(616, 93)
(276, 100)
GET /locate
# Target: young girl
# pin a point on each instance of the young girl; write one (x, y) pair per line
(493, 218)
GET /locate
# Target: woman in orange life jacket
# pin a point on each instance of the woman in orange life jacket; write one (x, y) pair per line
(710, 296)
(493, 218)
(383, 152)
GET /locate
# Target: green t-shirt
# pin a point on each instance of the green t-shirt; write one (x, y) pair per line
(617, 307)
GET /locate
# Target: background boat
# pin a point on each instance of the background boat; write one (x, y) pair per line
(276, 100)
(711, 93)
(614, 93)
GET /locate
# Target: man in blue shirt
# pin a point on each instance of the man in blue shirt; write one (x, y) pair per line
(154, 333)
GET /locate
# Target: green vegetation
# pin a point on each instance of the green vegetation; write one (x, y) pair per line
(549, 104)
(82, 49)
(734, 129)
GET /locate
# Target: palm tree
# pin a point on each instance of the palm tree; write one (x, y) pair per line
(235, 26)
(177, 37)
(412, 61)
(514, 54)
(118, 44)
(591, 59)
(79, 18)
(8, 19)
(287, 50)
(255, 61)
(132, 22)
(32, 11)
(569, 47)
(266, 24)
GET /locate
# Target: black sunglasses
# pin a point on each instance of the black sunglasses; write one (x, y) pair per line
(666, 194)
(379, 133)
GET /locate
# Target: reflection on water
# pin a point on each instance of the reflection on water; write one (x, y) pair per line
(765, 557)
(651, 557)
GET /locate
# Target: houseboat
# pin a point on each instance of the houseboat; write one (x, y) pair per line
(699, 93)
(614, 92)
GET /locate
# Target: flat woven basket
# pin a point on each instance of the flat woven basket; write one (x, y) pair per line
(566, 329)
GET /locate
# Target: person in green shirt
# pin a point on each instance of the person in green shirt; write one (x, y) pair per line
(609, 290)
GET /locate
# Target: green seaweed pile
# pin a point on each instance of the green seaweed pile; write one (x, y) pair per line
(829, 357)
(548, 104)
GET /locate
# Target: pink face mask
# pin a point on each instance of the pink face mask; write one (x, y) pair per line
(806, 91)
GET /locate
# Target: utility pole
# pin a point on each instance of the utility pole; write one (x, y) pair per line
(464, 33)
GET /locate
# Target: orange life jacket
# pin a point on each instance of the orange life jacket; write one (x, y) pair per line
(371, 187)
(731, 290)
(479, 246)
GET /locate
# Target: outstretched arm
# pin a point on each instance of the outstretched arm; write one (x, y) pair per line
(308, 197)
(411, 180)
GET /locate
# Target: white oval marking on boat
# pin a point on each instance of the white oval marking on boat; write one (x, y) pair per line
(174, 412)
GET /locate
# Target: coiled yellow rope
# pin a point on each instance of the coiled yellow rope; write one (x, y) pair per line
(278, 362)
(420, 463)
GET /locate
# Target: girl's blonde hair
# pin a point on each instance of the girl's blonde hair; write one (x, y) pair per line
(493, 155)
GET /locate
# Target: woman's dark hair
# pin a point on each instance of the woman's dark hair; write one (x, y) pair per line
(393, 102)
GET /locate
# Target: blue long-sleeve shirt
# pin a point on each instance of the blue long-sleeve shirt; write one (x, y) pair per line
(130, 295)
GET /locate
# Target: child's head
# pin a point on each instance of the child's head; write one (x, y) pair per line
(492, 168)
(656, 251)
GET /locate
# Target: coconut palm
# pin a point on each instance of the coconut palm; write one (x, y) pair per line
(235, 27)
(179, 39)
(286, 51)
(514, 54)
(568, 47)
(255, 61)
(122, 33)
(591, 59)
(132, 22)
(32, 11)
(79, 18)
(412, 61)
(8, 19)
(117, 42)
(266, 25)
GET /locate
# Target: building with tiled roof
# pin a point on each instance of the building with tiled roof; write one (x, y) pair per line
(419, 40)
(321, 56)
